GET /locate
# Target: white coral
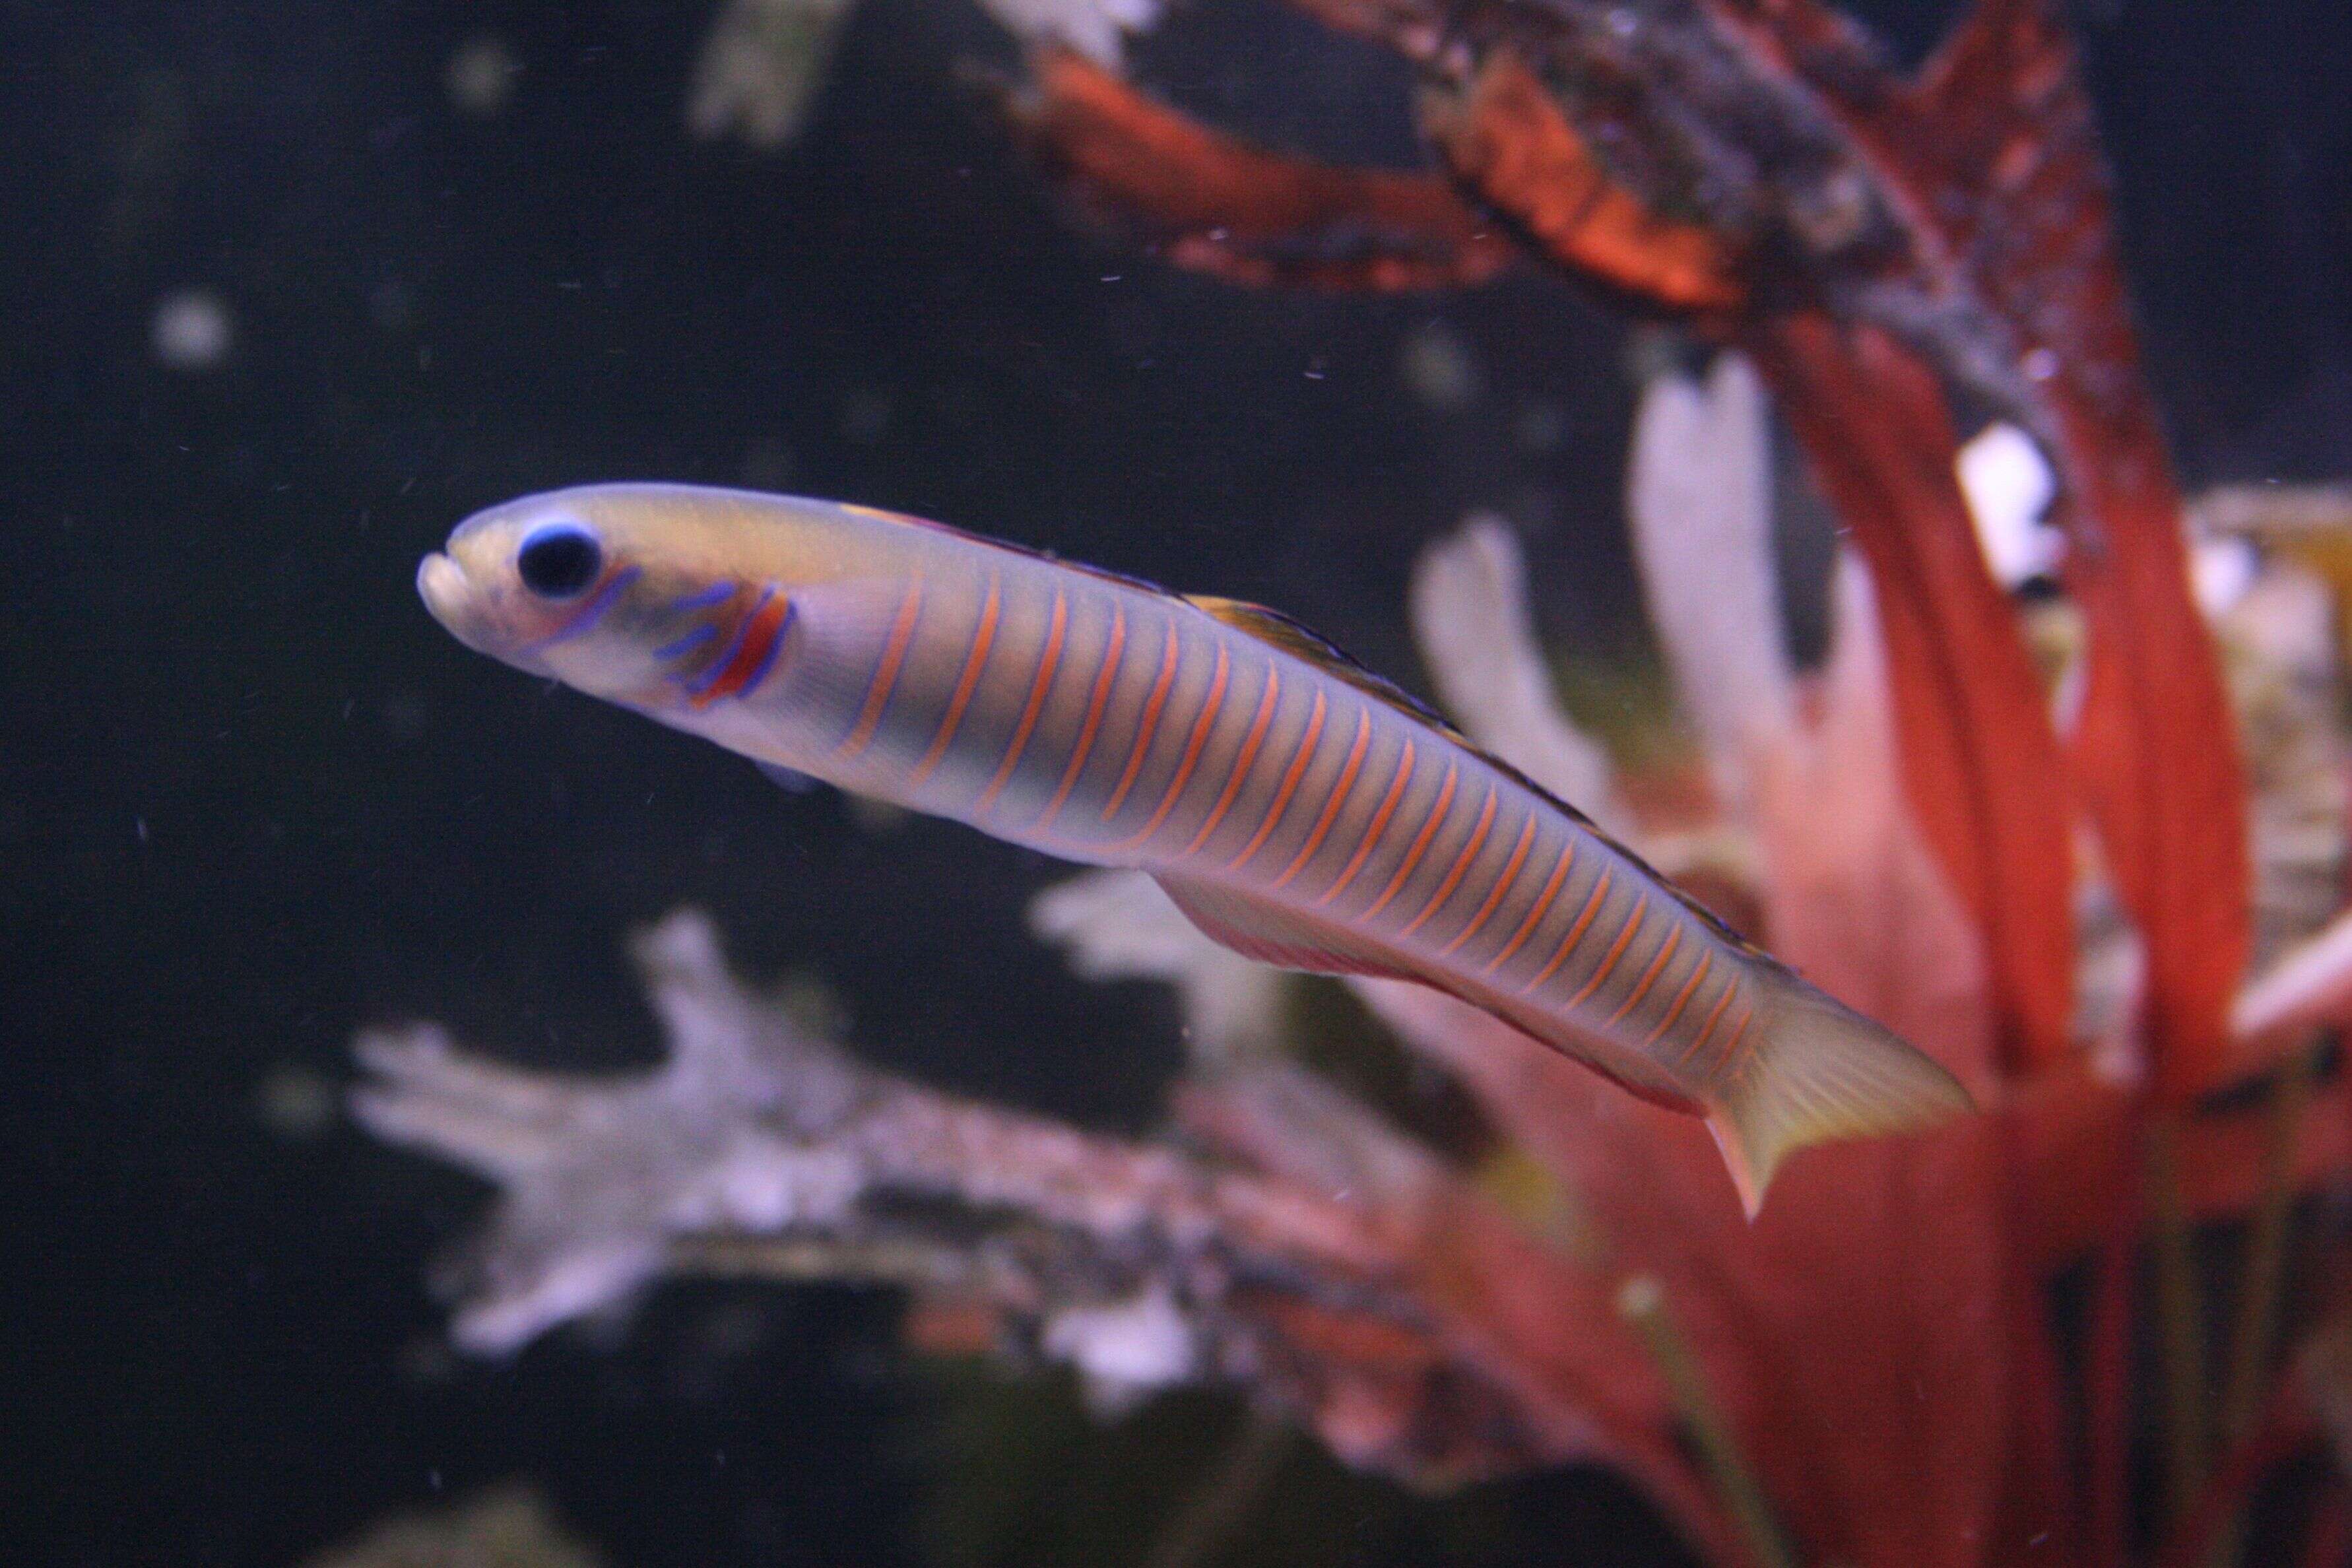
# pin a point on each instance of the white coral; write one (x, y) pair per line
(1118, 925)
(760, 67)
(1096, 28)
(1698, 496)
(1470, 618)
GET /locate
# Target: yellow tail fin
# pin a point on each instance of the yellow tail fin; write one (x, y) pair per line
(1822, 1071)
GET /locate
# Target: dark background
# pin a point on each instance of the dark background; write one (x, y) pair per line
(250, 797)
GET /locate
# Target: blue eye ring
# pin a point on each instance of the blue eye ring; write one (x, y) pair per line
(559, 560)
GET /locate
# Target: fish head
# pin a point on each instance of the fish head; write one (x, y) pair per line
(637, 594)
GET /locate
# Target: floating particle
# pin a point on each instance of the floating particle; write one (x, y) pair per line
(1436, 363)
(194, 331)
(295, 1102)
(479, 77)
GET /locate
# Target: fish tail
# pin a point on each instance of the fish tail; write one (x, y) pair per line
(1816, 1071)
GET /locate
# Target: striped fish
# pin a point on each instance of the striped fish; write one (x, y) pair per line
(1300, 809)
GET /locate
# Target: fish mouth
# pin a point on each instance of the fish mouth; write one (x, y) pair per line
(451, 596)
(441, 583)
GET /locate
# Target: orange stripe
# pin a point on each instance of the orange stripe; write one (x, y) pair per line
(1379, 820)
(1648, 976)
(980, 641)
(885, 673)
(1543, 902)
(1192, 744)
(1460, 862)
(1145, 730)
(1502, 886)
(1095, 705)
(1243, 759)
(1289, 784)
(1616, 951)
(1567, 942)
(1047, 662)
(1731, 1043)
(1420, 843)
(1714, 1017)
(1682, 1000)
(1338, 798)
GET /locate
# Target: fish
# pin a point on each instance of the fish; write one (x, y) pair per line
(1298, 808)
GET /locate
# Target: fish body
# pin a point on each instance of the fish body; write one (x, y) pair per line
(1297, 808)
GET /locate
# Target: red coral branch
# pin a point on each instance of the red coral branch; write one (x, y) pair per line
(1236, 212)
(1507, 140)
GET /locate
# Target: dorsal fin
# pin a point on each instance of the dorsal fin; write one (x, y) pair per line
(1279, 630)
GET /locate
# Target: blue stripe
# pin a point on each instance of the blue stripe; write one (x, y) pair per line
(742, 629)
(718, 593)
(688, 643)
(595, 609)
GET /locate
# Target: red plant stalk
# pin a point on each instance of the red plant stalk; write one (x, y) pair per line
(2044, 1507)
(2327, 1539)
(1978, 754)
(2107, 1417)
(2287, 1427)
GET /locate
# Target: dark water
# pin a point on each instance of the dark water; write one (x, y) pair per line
(250, 797)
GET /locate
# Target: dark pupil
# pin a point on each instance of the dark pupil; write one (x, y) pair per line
(557, 562)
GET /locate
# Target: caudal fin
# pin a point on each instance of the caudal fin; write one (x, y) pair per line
(1822, 1071)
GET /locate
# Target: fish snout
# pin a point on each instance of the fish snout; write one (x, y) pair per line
(464, 611)
(441, 583)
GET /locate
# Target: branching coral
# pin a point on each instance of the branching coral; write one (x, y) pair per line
(1297, 1266)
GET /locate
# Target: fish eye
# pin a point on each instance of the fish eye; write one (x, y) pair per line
(558, 560)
